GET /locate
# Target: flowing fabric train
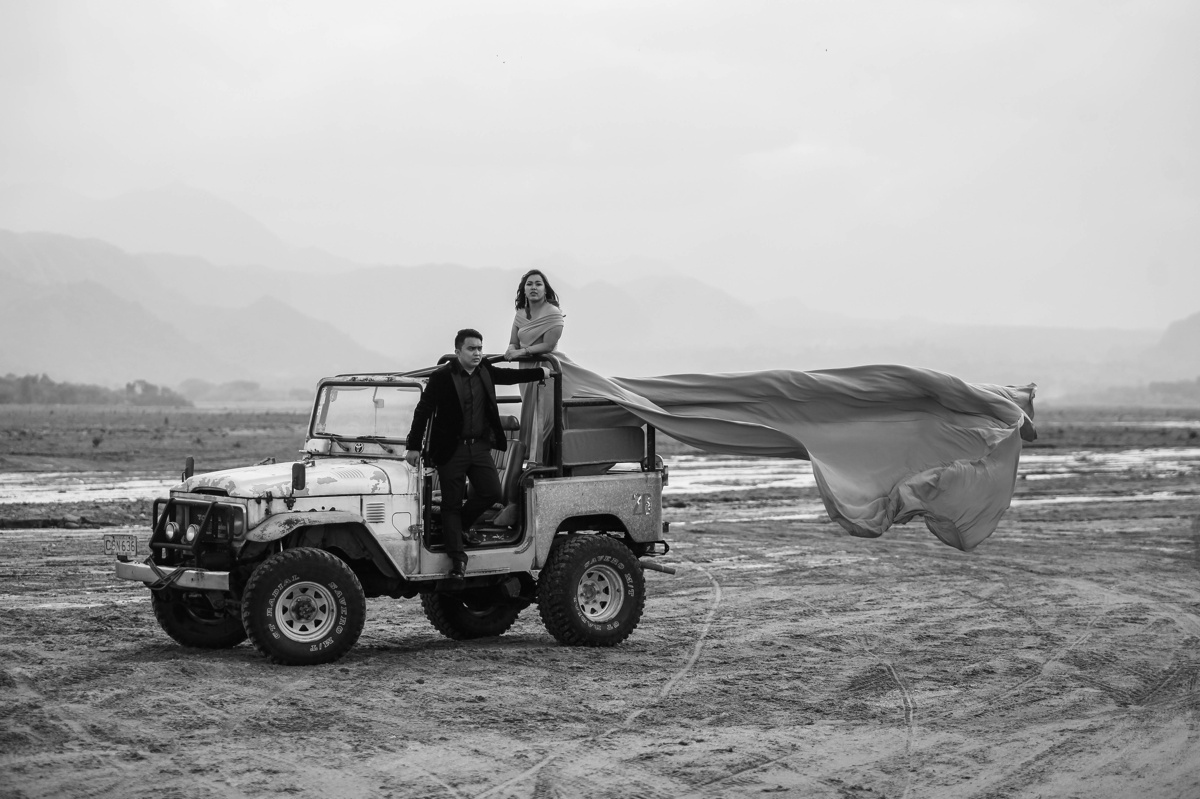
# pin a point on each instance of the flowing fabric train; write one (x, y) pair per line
(887, 443)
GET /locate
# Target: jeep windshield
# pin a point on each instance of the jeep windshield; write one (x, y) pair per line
(348, 411)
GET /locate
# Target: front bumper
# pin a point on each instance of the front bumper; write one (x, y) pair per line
(198, 579)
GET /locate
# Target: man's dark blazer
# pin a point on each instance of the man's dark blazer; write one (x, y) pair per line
(440, 399)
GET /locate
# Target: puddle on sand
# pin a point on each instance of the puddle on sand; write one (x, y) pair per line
(40, 488)
(698, 474)
(1151, 462)
(816, 513)
(705, 475)
(1156, 496)
(690, 474)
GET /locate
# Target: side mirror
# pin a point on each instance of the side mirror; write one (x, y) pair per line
(189, 468)
(297, 477)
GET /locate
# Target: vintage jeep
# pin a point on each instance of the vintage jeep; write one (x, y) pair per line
(288, 554)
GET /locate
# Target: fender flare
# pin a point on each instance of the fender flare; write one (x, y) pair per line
(281, 524)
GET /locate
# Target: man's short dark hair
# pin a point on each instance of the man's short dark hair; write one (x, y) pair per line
(465, 334)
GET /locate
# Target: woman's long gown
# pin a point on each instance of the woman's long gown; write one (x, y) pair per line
(536, 399)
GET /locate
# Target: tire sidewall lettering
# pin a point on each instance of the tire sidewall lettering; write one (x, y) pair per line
(603, 558)
(281, 573)
(560, 584)
(280, 587)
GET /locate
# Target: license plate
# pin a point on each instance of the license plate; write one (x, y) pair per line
(120, 545)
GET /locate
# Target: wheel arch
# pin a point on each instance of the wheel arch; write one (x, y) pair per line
(598, 523)
(595, 522)
(342, 534)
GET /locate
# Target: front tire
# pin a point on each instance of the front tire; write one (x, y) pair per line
(303, 606)
(591, 592)
(464, 616)
(192, 620)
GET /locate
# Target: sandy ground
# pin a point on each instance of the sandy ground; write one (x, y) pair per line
(1060, 659)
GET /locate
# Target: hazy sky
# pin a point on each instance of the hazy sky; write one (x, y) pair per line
(1028, 162)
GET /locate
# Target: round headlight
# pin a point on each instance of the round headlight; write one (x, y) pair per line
(172, 530)
(190, 535)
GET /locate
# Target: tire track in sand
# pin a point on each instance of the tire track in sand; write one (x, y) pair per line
(663, 693)
(910, 717)
(910, 722)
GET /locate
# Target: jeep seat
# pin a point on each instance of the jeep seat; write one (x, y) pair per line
(510, 475)
(512, 428)
(594, 450)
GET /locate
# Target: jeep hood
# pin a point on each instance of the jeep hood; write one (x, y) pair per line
(323, 477)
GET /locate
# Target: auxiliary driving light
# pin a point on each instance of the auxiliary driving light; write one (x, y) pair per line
(192, 531)
(172, 530)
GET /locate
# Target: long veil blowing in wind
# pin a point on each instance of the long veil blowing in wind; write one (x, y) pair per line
(887, 443)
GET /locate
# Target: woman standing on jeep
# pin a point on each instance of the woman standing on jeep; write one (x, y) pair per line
(536, 329)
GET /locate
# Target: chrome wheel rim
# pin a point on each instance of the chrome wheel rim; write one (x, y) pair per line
(305, 611)
(599, 594)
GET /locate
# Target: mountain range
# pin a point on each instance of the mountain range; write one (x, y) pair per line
(176, 285)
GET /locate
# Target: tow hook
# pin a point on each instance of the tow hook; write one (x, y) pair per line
(656, 566)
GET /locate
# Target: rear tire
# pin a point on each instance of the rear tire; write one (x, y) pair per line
(303, 606)
(192, 620)
(462, 616)
(591, 592)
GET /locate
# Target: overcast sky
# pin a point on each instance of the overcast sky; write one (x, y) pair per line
(1000, 162)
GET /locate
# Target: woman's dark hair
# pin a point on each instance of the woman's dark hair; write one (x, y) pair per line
(522, 302)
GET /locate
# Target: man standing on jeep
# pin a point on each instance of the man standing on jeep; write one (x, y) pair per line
(461, 398)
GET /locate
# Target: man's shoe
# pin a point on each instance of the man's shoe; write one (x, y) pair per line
(457, 576)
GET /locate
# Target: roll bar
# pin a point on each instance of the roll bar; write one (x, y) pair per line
(556, 437)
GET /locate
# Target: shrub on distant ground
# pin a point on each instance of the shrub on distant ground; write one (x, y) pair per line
(41, 390)
(199, 390)
(139, 392)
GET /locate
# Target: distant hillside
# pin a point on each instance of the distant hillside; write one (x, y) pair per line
(171, 219)
(50, 259)
(85, 332)
(90, 311)
(1180, 344)
(84, 309)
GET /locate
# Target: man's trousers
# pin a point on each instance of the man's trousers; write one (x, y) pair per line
(469, 462)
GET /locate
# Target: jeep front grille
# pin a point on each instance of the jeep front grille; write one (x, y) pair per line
(217, 526)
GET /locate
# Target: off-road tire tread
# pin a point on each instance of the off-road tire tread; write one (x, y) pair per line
(357, 602)
(442, 611)
(217, 638)
(556, 594)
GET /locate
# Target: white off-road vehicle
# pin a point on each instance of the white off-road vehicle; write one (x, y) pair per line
(286, 554)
